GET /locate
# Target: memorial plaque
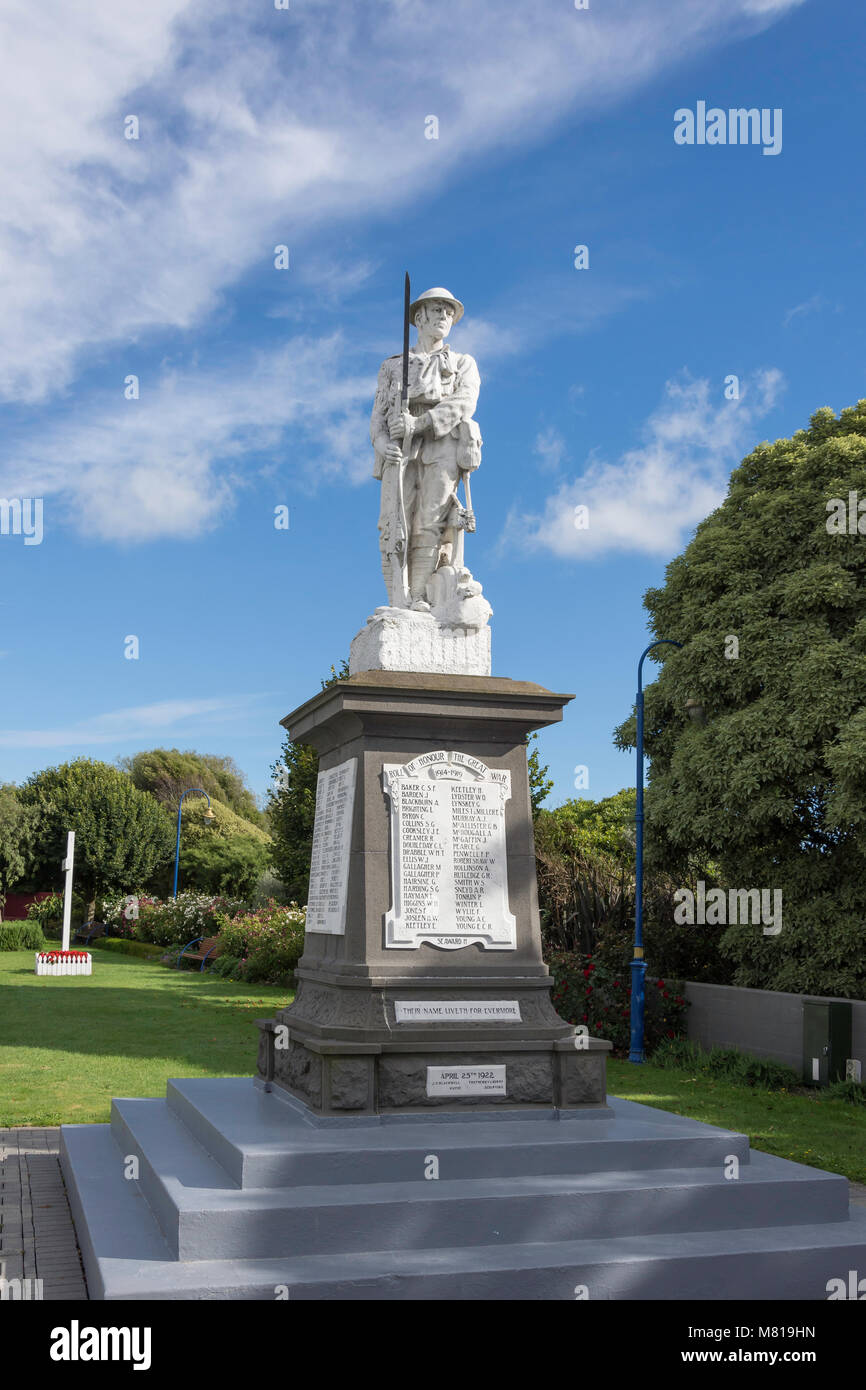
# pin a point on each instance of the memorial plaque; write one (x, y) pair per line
(466, 1081)
(449, 879)
(332, 835)
(456, 1011)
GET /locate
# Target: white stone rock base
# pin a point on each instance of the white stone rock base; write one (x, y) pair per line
(399, 639)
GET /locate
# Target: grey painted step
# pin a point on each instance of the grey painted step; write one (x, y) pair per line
(202, 1213)
(263, 1141)
(126, 1258)
(171, 1162)
(113, 1221)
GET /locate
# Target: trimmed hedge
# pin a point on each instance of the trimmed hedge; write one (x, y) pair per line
(21, 936)
(126, 947)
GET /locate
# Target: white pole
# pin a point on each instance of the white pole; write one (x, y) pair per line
(67, 890)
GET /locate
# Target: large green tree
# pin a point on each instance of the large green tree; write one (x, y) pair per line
(226, 854)
(539, 783)
(167, 772)
(769, 601)
(16, 834)
(122, 835)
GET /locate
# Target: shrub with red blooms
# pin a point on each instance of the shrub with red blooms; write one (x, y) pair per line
(586, 990)
(266, 943)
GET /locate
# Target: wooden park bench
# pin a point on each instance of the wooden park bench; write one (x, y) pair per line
(88, 931)
(208, 948)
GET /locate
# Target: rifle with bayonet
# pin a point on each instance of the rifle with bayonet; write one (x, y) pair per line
(401, 545)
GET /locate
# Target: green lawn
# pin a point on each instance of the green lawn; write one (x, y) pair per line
(801, 1125)
(68, 1044)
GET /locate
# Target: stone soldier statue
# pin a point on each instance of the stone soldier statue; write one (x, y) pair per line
(421, 452)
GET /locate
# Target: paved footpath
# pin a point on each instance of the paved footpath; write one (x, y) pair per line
(37, 1238)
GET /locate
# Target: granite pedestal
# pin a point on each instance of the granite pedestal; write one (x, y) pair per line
(377, 1023)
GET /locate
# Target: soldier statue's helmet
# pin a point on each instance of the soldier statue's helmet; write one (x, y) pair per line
(437, 293)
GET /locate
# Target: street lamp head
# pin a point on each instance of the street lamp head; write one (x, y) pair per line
(209, 815)
(696, 712)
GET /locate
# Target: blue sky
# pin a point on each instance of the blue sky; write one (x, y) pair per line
(604, 386)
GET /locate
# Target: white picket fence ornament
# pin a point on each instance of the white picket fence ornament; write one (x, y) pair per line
(64, 963)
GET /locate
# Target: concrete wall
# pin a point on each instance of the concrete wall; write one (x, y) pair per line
(762, 1021)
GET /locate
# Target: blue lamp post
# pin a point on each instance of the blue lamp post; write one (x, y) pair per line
(638, 964)
(208, 815)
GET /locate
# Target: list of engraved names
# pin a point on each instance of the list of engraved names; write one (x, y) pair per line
(448, 853)
(329, 864)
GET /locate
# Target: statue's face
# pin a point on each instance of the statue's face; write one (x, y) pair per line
(436, 314)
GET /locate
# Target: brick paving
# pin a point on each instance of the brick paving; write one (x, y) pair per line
(37, 1237)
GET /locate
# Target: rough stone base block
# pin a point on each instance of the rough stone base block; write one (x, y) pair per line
(398, 639)
(243, 1194)
(333, 1080)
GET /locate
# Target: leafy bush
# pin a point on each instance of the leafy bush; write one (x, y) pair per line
(49, 914)
(852, 1091)
(21, 936)
(229, 968)
(46, 910)
(268, 941)
(121, 914)
(727, 1063)
(268, 887)
(175, 921)
(231, 866)
(585, 852)
(588, 991)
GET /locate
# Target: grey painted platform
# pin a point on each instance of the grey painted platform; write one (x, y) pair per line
(239, 1195)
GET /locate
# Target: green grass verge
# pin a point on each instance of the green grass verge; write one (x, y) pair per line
(68, 1044)
(802, 1125)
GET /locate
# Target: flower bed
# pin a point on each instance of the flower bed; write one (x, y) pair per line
(171, 923)
(262, 946)
(64, 963)
(587, 991)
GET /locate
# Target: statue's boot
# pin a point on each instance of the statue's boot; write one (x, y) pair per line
(422, 565)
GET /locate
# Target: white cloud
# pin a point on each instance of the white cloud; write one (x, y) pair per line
(129, 724)
(549, 449)
(255, 125)
(171, 462)
(649, 500)
(813, 305)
